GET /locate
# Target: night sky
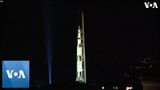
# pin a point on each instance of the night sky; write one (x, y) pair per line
(115, 32)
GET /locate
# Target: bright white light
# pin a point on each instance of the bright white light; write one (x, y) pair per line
(129, 88)
(102, 87)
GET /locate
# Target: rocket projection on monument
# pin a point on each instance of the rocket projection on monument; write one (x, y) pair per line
(81, 59)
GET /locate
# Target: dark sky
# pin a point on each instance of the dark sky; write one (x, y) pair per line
(120, 32)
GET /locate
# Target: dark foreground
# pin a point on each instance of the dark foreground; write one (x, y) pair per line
(78, 86)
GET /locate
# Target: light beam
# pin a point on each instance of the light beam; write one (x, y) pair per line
(48, 28)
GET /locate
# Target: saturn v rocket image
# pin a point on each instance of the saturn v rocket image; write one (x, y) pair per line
(81, 59)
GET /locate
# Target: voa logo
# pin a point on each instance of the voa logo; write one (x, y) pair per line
(17, 74)
(151, 5)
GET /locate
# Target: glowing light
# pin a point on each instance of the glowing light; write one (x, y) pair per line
(49, 55)
(129, 88)
(102, 87)
(1, 1)
(48, 28)
(49, 58)
(115, 88)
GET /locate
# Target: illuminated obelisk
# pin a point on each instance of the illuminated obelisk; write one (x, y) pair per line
(81, 59)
